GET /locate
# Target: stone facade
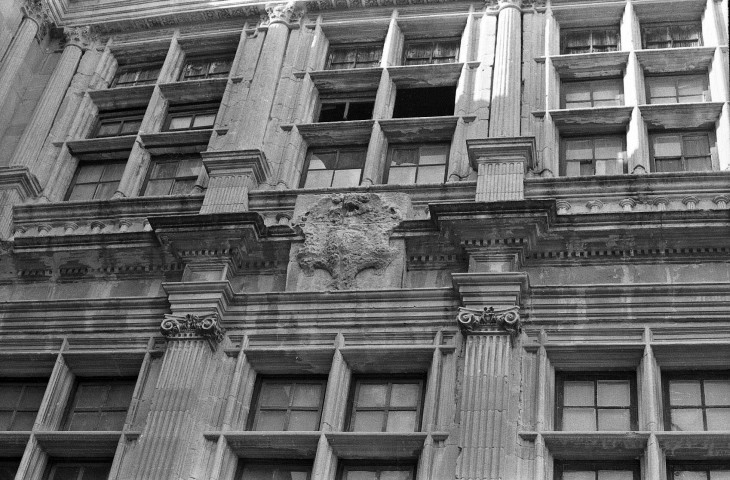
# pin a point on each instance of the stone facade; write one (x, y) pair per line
(346, 239)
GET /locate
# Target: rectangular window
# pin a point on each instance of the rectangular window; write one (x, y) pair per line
(594, 93)
(377, 472)
(79, 471)
(96, 180)
(424, 102)
(417, 164)
(589, 40)
(673, 35)
(346, 110)
(288, 404)
(189, 117)
(334, 167)
(261, 471)
(201, 68)
(344, 57)
(600, 402)
(681, 152)
(128, 76)
(19, 404)
(386, 405)
(697, 401)
(8, 468)
(698, 470)
(593, 156)
(424, 52)
(597, 471)
(677, 89)
(172, 176)
(116, 124)
(100, 404)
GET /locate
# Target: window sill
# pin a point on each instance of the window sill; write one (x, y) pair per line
(107, 148)
(271, 444)
(695, 445)
(432, 75)
(79, 444)
(120, 98)
(671, 60)
(595, 445)
(327, 134)
(591, 120)
(701, 115)
(590, 65)
(13, 443)
(184, 141)
(419, 129)
(369, 445)
(194, 91)
(355, 79)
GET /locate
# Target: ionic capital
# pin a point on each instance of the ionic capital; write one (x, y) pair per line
(79, 36)
(37, 11)
(507, 319)
(190, 327)
(496, 6)
(287, 13)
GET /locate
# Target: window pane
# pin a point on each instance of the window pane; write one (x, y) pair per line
(24, 421)
(323, 161)
(5, 419)
(701, 164)
(112, 421)
(272, 421)
(690, 89)
(307, 395)
(615, 475)
(401, 422)
(431, 174)
(360, 111)
(351, 159)
(577, 95)
(369, 56)
(372, 395)
(717, 392)
(572, 169)
(96, 473)
(696, 145)
(220, 67)
(318, 179)
(180, 123)
(672, 165)
(578, 394)
(90, 395)
(267, 472)
(579, 419)
(578, 150)
(402, 176)
(275, 394)
(82, 192)
(368, 422)
(9, 395)
(433, 155)
(684, 392)
(84, 421)
(195, 68)
(204, 120)
(346, 178)
(332, 112)
(661, 88)
(687, 419)
(108, 129)
(608, 148)
(156, 188)
(579, 476)
(360, 475)
(105, 191)
(720, 475)
(66, 473)
(667, 146)
(182, 187)
(614, 419)
(405, 395)
(395, 475)
(113, 171)
(614, 393)
(89, 173)
(689, 475)
(404, 156)
(609, 167)
(718, 419)
(131, 127)
(188, 168)
(303, 421)
(164, 170)
(120, 395)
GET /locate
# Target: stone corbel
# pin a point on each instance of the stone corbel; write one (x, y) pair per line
(288, 13)
(191, 327)
(37, 10)
(507, 319)
(79, 36)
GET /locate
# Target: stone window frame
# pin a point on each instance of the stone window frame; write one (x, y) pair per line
(86, 163)
(375, 466)
(208, 61)
(338, 149)
(24, 383)
(170, 159)
(139, 69)
(72, 404)
(285, 379)
(595, 466)
(434, 41)
(591, 46)
(356, 47)
(591, 84)
(418, 145)
(348, 99)
(711, 138)
(54, 464)
(192, 111)
(597, 136)
(562, 376)
(291, 465)
(697, 24)
(696, 466)
(121, 117)
(356, 382)
(702, 77)
(702, 375)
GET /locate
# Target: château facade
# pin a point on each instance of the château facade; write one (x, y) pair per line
(364, 240)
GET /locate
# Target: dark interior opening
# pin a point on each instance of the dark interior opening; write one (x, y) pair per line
(424, 102)
(346, 111)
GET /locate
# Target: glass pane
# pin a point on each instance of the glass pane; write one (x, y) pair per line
(606, 94)
(149, 75)
(189, 168)
(667, 146)
(608, 148)
(270, 421)
(395, 475)
(433, 155)
(431, 174)
(9, 395)
(368, 422)
(156, 188)
(24, 421)
(661, 88)
(614, 393)
(684, 392)
(717, 392)
(720, 475)
(89, 173)
(105, 191)
(614, 419)
(275, 394)
(404, 156)
(609, 167)
(84, 421)
(578, 393)
(180, 123)
(318, 179)
(112, 421)
(182, 187)
(113, 171)
(670, 165)
(699, 164)
(401, 422)
(579, 476)
(66, 473)
(164, 170)
(96, 473)
(108, 129)
(372, 395)
(220, 67)
(204, 120)
(369, 56)
(307, 395)
(127, 77)
(689, 475)
(33, 396)
(572, 169)
(687, 420)
(120, 395)
(579, 150)
(82, 192)
(5, 418)
(405, 395)
(91, 395)
(402, 176)
(696, 145)
(324, 160)
(346, 178)
(131, 127)
(577, 95)
(718, 419)
(579, 419)
(195, 68)
(418, 50)
(351, 159)
(615, 475)
(360, 475)
(267, 472)
(690, 89)
(8, 470)
(303, 421)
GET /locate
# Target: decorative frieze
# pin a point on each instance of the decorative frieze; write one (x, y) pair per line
(208, 327)
(507, 319)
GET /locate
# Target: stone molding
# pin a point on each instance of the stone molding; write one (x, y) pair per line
(20, 179)
(38, 11)
(79, 36)
(475, 321)
(190, 327)
(288, 13)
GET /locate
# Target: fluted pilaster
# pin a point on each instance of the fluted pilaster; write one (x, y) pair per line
(506, 83)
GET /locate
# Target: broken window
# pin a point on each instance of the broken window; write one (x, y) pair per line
(386, 405)
(677, 89)
(417, 164)
(673, 35)
(127, 76)
(288, 404)
(100, 404)
(96, 180)
(338, 110)
(115, 124)
(172, 176)
(191, 117)
(600, 155)
(593, 93)
(201, 68)
(424, 102)
(423, 52)
(334, 167)
(590, 403)
(697, 402)
(604, 39)
(342, 57)
(681, 152)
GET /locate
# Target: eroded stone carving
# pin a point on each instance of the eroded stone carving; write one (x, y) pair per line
(507, 319)
(346, 234)
(37, 10)
(187, 326)
(78, 36)
(286, 13)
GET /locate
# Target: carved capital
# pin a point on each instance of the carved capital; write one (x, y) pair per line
(507, 319)
(37, 10)
(287, 13)
(78, 36)
(207, 327)
(496, 6)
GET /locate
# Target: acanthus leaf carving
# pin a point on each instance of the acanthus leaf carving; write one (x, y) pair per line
(507, 319)
(79, 36)
(189, 326)
(287, 13)
(37, 10)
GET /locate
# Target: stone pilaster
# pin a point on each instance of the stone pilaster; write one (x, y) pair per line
(506, 79)
(29, 147)
(501, 165)
(34, 25)
(231, 176)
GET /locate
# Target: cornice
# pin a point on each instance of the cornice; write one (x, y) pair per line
(20, 179)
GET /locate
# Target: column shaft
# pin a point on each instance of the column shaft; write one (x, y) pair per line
(506, 83)
(31, 143)
(17, 54)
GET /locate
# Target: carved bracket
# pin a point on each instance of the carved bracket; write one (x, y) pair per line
(178, 327)
(507, 319)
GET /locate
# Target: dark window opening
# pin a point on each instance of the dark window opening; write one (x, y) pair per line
(136, 75)
(589, 41)
(100, 404)
(424, 102)
(600, 402)
(191, 117)
(344, 57)
(417, 164)
(67, 470)
(346, 110)
(201, 68)
(675, 35)
(568, 470)
(386, 405)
